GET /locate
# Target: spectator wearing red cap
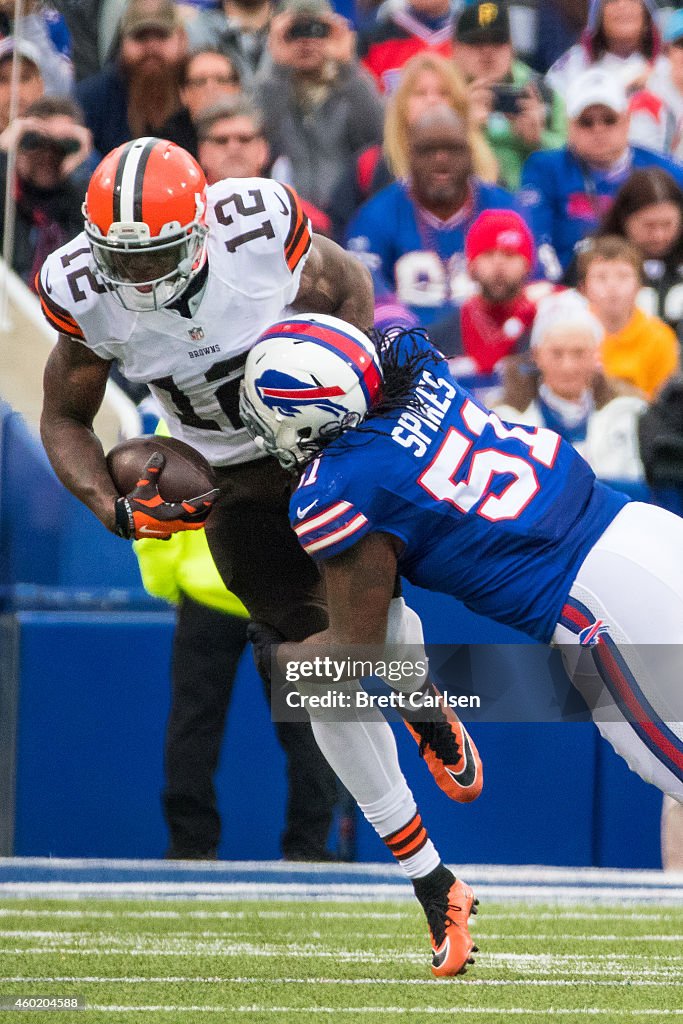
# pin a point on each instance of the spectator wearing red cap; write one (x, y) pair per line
(495, 323)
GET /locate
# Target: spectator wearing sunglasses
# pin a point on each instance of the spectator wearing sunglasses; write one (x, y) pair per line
(567, 191)
(206, 77)
(231, 140)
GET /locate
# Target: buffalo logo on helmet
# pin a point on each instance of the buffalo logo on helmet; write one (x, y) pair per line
(592, 635)
(288, 395)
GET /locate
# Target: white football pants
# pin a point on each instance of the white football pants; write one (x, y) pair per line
(621, 633)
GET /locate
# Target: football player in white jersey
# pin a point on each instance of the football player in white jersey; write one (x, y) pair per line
(175, 282)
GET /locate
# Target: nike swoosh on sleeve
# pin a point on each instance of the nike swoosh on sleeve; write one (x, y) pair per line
(302, 512)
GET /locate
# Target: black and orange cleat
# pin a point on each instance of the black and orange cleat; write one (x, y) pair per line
(447, 908)
(448, 751)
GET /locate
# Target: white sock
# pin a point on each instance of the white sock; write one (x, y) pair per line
(363, 754)
(396, 820)
(404, 628)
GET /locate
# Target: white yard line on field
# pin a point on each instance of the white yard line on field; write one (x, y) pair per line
(360, 914)
(185, 942)
(572, 981)
(372, 1010)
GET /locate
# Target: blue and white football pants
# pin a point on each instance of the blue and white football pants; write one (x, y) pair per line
(621, 633)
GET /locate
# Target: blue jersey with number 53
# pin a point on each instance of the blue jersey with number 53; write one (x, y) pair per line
(499, 516)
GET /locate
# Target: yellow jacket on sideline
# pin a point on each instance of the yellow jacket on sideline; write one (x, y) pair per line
(184, 565)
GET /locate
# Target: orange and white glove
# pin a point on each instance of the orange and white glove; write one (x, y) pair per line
(144, 513)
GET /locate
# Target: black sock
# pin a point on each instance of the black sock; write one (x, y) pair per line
(434, 884)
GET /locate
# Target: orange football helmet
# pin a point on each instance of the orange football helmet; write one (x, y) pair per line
(145, 218)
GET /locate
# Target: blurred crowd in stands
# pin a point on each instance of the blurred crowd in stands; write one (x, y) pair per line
(480, 158)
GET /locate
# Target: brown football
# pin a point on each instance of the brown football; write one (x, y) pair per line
(186, 473)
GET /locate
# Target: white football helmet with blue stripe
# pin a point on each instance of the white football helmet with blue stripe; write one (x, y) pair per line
(308, 379)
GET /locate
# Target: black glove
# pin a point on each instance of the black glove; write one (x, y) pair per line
(264, 640)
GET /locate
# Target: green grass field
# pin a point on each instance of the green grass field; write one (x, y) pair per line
(267, 961)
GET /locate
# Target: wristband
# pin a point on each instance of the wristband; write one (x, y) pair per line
(125, 524)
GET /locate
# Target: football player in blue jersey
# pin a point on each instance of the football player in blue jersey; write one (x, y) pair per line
(401, 470)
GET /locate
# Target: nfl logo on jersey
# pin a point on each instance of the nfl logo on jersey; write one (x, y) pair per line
(196, 333)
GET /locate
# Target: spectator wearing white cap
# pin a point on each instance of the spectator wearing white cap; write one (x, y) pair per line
(567, 191)
(574, 399)
(31, 85)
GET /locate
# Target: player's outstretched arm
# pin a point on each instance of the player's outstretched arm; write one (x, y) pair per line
(335, 282)
(73, 388)
(359, 584)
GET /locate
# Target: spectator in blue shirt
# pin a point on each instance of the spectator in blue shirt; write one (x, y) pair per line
(567, 191)
(137, 93)
(411, 235)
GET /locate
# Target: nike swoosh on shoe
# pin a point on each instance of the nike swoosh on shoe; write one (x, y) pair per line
(468, 773)
(439, 957)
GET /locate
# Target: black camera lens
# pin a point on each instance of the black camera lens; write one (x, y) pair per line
(32, 140)
(309, 28)
(69, 146)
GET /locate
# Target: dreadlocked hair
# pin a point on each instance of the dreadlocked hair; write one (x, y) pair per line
(403, 359)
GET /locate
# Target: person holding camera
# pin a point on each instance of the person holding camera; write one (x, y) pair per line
(239, 29)
(53, 150)
(518, 112)
(320, 108)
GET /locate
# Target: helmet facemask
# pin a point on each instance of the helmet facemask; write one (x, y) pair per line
(148, 273)
(293, 445)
